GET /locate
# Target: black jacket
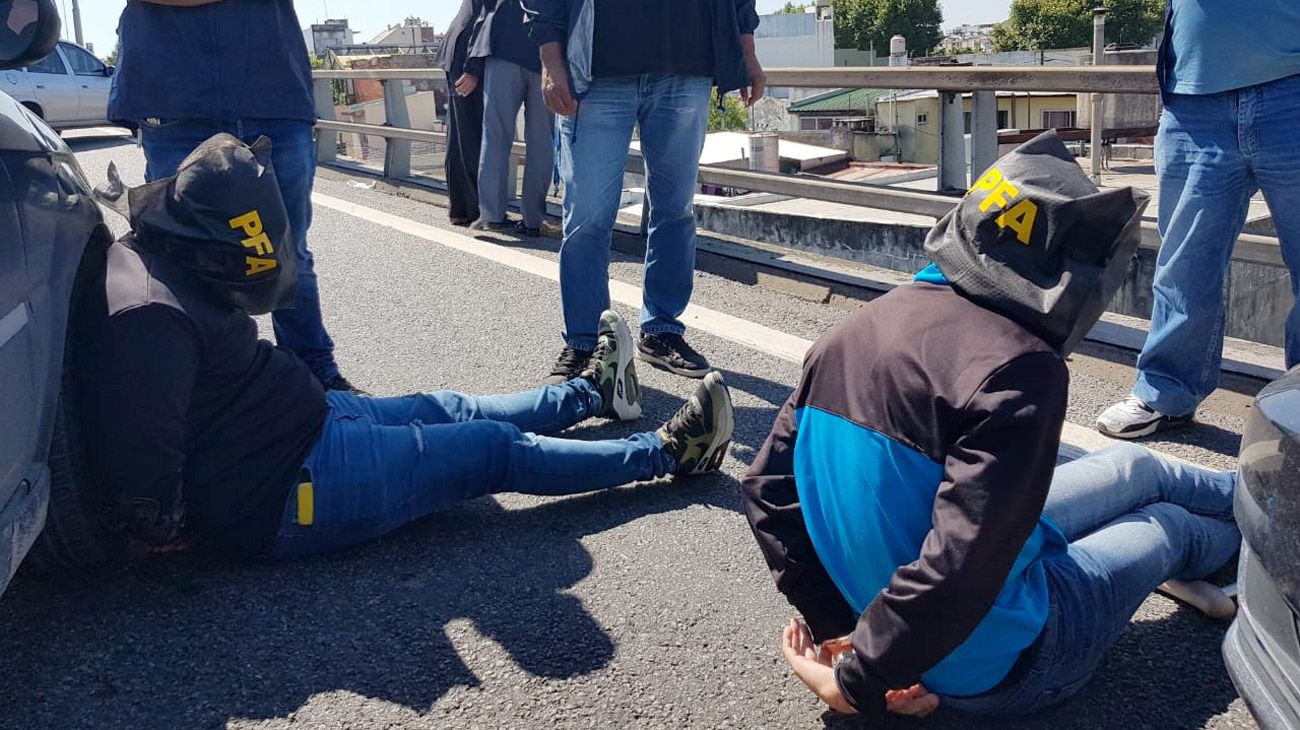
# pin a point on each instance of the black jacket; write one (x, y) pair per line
(453, 57)
(499, 33)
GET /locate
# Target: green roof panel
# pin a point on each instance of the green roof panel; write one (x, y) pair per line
(839, 100)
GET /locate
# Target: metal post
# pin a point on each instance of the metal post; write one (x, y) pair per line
(983, 131)
(397, 152)
(952, 143)
(327, 142)
(1098, 57)
(76, 23)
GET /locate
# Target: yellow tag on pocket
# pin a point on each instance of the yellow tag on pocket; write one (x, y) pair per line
(306, 503)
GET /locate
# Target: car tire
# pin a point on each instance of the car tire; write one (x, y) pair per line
(77, 533)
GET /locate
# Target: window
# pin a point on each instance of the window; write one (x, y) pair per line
(1003, 119)
(1058, 118)
(922, 118)
(51, 64)
(82, 63)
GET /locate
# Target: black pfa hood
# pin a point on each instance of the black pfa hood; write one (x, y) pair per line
(222, 219)
(1036, 241)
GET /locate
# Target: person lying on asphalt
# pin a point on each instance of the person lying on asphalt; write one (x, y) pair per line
(198, 430)
(899, 499)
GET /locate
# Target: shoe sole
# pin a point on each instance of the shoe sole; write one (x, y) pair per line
(665, 365)
(726, 426)
(627, 389)
(1160, 424)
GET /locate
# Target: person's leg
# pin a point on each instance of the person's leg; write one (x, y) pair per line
(539, 162)
(166, 143)
(1275, 159)
(1205, 188)
(593, 153)
(367, 480)
(545, 410)
(1094, 490)
(464, 137)
(300, 329)
(503, 92)
(1095, 589)
(673, 117)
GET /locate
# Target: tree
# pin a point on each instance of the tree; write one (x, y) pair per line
(791, 9)
(867, 24)
(111, 58)
(1042, 24)
(731, 116)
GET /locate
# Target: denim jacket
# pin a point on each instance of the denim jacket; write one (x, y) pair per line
(572, 24)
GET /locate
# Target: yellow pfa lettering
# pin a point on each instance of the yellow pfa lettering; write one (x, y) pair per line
(1001, 192)
(251, 224)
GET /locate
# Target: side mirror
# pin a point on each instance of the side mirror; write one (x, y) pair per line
(29, 29)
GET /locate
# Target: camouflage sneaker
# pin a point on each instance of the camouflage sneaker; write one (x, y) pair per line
(612, 371)
(698, 435)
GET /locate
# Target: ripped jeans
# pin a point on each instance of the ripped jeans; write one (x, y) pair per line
(382, 462)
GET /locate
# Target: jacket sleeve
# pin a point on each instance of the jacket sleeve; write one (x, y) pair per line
(143, 386)
(996, 477)
(547, 20)
(771, 502)
(746, 17)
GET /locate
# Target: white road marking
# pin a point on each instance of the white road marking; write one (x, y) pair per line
(720, 324)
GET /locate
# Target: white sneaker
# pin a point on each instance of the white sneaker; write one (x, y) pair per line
(1131, 418)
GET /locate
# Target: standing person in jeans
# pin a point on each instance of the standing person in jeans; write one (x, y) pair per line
(1230, 81)
(188, 69)
(512, 76)
(234, 441)
(464, 114)
(607, 67)
(899, 500)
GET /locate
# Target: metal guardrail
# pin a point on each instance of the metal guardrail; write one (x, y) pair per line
(983, 81)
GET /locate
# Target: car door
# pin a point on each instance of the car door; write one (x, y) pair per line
(55, 89)
(93, 83)
(20, 418)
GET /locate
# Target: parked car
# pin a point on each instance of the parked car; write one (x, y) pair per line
(68, 88)
(52, 244)
(1262, 648)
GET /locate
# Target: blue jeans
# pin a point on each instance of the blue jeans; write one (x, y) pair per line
(382, 462)
(1212, 154)
(671, 113)
(1134, 520)
(301, 329)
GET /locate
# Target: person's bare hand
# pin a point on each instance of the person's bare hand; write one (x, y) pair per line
(466, 84)
(757, 81)
(812, 667)
(915, 701)
(557, 94)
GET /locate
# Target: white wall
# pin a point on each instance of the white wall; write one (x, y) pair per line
(784, 39)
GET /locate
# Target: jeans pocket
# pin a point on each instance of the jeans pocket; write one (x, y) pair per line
(155, 123)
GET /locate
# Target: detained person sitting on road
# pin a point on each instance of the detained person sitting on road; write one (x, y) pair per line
(197, 429)
(907, 499)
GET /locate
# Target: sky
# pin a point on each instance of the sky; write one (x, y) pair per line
(368, 17)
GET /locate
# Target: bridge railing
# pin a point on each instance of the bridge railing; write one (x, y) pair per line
(402, 139)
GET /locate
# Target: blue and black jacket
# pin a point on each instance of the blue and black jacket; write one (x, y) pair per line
(899, 496)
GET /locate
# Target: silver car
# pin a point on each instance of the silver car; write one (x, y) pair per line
(68, 88)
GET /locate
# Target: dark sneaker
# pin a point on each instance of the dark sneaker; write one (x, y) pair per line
(1131, 418)
(698, 434)
(568, 365)
(522, 229)
(669, 351)
(612, 371)
(338, 382)
(482, 225)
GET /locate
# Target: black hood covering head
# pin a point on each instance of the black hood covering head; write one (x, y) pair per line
(221, 218)
(1036, 241)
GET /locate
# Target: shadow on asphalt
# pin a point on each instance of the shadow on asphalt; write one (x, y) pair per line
(1145, 681)
(87, 143)
(194, 640)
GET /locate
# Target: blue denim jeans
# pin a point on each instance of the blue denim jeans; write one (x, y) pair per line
(672, 113)
(383, 462)
(1212, 154)
(300, 329)
(1134, 520)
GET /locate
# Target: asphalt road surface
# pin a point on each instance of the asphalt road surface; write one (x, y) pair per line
(643, 606)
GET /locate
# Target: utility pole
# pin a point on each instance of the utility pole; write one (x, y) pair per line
(1098, 58)
(76, 23)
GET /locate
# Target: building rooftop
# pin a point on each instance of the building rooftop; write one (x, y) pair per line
(838, 100)
(723, 147)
